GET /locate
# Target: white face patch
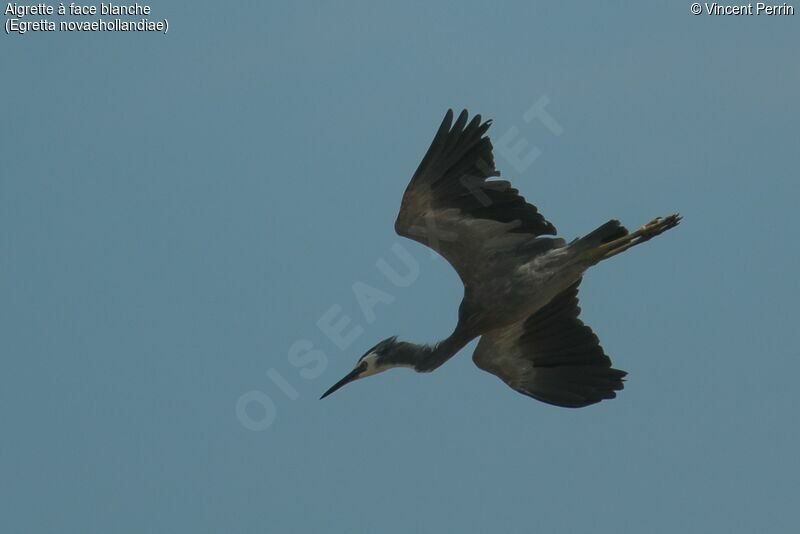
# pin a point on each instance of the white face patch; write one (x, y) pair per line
(371, 360)
(373, 367)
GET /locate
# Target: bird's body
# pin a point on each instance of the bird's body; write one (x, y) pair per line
(520, 282)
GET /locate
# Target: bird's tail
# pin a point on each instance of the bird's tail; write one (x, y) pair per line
(612, 238)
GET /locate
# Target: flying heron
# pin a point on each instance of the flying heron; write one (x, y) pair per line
(520, 284)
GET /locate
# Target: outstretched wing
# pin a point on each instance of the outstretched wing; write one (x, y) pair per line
(551, 356)
(452, 207)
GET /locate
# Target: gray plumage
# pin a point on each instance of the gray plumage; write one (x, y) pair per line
(520, 282)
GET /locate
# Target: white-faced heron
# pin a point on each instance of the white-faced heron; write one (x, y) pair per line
(520, 286)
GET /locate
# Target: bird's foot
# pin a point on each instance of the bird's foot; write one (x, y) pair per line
(658, 226)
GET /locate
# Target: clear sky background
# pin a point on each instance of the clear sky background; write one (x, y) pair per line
(176, 212)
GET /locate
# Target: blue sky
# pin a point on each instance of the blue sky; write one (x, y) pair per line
(178, 212)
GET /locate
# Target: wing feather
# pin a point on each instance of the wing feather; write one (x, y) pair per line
(451, 205)
(552, 356)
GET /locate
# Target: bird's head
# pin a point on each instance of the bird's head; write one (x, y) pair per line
(379, 358)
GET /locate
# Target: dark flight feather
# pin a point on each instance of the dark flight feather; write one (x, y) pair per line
(451, 190)
(552, 356)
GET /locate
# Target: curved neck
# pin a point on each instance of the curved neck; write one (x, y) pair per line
(426, 358)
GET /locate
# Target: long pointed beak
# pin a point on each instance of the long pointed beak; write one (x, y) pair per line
(346, 380)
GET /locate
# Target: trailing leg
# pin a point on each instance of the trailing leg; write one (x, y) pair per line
(645, 233)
